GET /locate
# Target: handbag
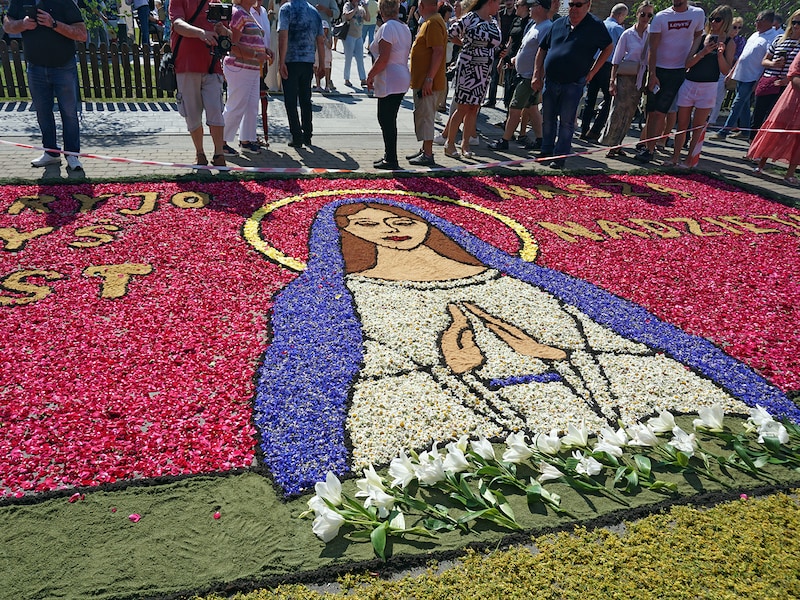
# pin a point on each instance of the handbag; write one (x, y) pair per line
(341, 29)
(766, 86)
(628, 66)
(167, 78)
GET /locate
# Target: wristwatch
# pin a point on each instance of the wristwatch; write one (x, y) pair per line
(55, 24)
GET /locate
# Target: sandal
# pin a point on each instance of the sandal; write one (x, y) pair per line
(791, 180)
(758, 171)
(452, 153)
(467, 154)
(201, 159)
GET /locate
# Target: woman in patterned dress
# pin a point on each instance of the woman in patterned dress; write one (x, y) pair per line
(480, 38)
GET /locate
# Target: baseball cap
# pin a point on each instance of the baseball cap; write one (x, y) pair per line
(545, 4)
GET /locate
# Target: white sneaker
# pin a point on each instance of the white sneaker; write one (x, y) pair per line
(439, 140)
(46, 159)
(474, 141)
(74, 164)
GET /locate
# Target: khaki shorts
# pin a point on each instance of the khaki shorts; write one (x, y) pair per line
(524, 96)
(425, 115)
(199, 91)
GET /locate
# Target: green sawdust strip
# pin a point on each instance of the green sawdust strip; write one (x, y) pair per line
(87, 550)
(740, 549)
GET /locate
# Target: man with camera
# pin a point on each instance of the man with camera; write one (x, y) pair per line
(199, 73)
(49, 31)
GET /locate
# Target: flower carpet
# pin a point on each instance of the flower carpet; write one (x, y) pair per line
(182, 361)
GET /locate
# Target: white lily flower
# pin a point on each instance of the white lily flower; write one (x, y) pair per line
(612, 449)
(455, 461)
(576, 437)
(330, 489)
(710, 418)
(759, 416)
(615, 438)
(462, 444)
(327, 524)
(398, 521)
(401, 469)
(371, 480)
(317, 504)
(663, 423)
(430, 469)
(483, 448)
(379, 499)
(549, 444)
(586, 464)
(548, 472)
(642, 435)
(517, 450)
(683, 441)
(773, 429)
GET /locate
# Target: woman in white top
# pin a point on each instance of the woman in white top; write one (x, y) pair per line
(389, 76)
(627, 88)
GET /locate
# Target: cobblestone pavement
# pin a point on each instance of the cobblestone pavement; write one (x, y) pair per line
(346, 136)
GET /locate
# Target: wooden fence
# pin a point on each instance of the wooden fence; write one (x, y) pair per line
(121, 72)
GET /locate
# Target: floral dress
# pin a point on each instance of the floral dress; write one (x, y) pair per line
(480, 40)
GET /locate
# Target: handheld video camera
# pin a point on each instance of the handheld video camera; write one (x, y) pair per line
(220, 13)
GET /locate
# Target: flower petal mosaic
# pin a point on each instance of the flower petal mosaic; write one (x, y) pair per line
(169, 329)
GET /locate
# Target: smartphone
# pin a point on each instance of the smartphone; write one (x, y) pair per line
(419, 93)
(713, 39)
(29, 9)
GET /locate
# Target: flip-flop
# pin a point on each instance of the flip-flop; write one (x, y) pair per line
(791, 180)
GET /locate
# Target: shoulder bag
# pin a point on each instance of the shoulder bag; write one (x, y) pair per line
(167, 79)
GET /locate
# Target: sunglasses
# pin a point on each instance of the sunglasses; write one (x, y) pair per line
(795, 22)
(737, 27)
(716, 19)
(577, 4)
(648, 15)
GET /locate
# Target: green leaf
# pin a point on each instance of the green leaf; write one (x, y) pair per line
(620, 474)
(437, 525)
(659, 485)
(489, 471)
(504, 506)
(605, 458)
(773, 445)
(682, 459)
(643, 464)
(742, 452)
(633, 481)
(360, 534)
(378, 537)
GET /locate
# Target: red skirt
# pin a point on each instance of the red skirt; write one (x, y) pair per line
(780, 146)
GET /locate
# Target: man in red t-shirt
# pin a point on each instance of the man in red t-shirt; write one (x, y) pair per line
(199, 74)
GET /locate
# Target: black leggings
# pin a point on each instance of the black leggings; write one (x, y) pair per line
(761, 109)
(388, 108)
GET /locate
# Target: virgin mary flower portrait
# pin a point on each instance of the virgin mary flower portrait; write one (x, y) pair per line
(405, 329)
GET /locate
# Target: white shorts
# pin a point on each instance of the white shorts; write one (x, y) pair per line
(697, 94)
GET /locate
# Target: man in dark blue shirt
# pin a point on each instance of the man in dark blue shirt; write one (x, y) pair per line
(49, 31)
(565, 63)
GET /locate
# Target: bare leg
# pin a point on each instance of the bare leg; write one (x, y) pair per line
(470, 120)
(217, 132)
(197, 139)
(684, 114)
(700, 118)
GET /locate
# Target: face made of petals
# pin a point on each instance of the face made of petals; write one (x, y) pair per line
(386, 229)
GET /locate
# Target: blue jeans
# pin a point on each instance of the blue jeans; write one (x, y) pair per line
(143, 16)
(297, 87)
(559, 109)
(47, 84)
(354, 49)
(367, 33)
(740, 109)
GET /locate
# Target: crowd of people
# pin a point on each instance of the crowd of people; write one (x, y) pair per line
(675, 65)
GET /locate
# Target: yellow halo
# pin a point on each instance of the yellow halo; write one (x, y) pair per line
(252, 226)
